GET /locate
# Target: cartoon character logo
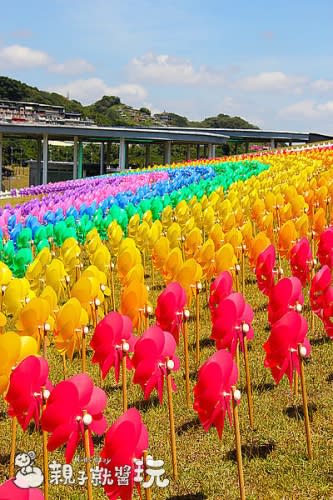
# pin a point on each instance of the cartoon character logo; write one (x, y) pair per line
(28, 476)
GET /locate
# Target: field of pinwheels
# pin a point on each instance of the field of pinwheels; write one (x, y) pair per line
(167, 333)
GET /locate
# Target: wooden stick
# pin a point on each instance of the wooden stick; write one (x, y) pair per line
(13, 447)
(187, 369)
(238, 445)
(45, 342)
(112, 287)
(124, 378)
(64, 365)
(305, 405)
(238, 361)
(171, 421)
(45, 454)
(147, 490)
(197, 324)
(248, 384)
(87, 456)
(295, 384)
(84, 347)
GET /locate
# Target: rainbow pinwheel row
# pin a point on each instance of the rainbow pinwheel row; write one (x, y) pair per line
(75, 211)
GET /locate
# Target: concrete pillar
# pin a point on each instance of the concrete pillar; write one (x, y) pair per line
(213, 151)
(39, 162)
(188, 152)
(75, 156)
(198, 151)
(246, 147)
(205, 151)
(108, 153)
(126, 154)
(1, 139)
(147, 155)
(122, 154)
(167, 152)
(45, 157)
(80, 161)
(210, 150)
(273, 143)
(101, 159)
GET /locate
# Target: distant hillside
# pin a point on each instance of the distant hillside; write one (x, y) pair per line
(110, 110)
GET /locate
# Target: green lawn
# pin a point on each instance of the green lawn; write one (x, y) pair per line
(275, 460)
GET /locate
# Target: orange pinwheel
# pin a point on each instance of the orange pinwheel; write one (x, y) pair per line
(172, 265)
(134, 303)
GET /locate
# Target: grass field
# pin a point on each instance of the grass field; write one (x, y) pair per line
(274, 454)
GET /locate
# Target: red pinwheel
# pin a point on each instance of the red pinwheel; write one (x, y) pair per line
(125, 441)
(112, 339)
(232, 320)
(265, 270)
(28, 381)
(301, 260)
(282, 345)
(170, 307)
(213, 391)
(319, 287)
(285, 295)
(151, 353)
(220, 288)
(325, 248)
(74, 404)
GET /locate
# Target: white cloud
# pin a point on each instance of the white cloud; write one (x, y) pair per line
(273, 81)
(90, 90)
(18, 56)
(307, 109)
(322, 85)
(71, 67)
(22, 57)
(169, 70)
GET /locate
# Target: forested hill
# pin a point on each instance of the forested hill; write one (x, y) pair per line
(110, 110)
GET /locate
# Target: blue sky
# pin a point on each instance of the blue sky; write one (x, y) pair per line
(269, 62)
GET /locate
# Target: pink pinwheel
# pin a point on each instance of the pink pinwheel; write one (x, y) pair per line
(319, 287)
(125, 442)
(301, 260)
(219, 290)
(325, 248)
(327, 313)
(282, 345)
(151, 353)
(27, 382)
(74, 404)
(232, 320)
(170, 308)
(10, 491)
(112, 333)
(265, 270)
(213, 391)
(285, 295)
